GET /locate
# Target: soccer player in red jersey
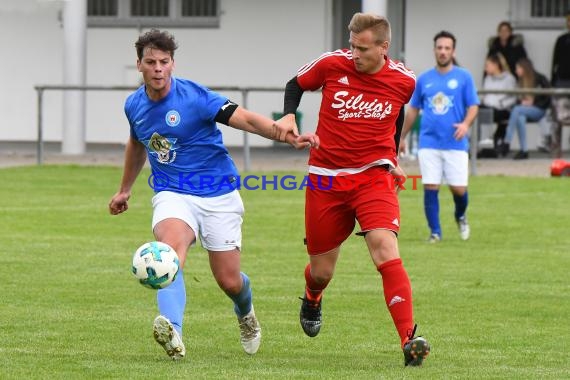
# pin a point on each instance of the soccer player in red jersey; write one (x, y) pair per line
(360, 119)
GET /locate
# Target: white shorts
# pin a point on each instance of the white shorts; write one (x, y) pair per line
(216, 220)
(451, 166)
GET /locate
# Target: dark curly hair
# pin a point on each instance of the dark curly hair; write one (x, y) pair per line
(156, 39)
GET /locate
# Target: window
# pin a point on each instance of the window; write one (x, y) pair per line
(149, 8)
(549, 8)
(539, 14)
(102, 8)
(192, 8)
(153, 13)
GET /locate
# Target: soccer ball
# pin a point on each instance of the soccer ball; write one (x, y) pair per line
(155, 265)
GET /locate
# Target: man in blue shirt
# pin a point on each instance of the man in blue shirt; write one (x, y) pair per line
(447, 96)
(173, 123)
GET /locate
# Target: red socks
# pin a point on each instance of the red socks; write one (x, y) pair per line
(313, 290)
(398, 296)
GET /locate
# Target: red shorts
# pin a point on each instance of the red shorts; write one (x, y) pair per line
(334, 204)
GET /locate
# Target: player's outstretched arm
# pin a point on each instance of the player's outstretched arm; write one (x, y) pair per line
(135, 158)
(255, 123)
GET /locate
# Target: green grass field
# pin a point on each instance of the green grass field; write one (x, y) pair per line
(494, 307)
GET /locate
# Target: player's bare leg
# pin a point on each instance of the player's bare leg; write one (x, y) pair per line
(226, 270)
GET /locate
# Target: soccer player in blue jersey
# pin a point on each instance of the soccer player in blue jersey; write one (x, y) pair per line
(447, 96)
(173, 123)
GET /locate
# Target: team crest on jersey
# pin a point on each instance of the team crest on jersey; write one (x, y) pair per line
(172, 118)
(440, 103)
(452, 84)
(164, 148)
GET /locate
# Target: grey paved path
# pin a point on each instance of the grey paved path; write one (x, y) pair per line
(262, 159)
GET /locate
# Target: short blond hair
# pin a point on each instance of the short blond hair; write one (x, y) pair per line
(379, 25)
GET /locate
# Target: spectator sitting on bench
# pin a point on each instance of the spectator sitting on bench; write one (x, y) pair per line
(498, 77)
(530, 107)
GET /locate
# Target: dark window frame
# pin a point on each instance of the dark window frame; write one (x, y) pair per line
(539, 14)
(125, 19)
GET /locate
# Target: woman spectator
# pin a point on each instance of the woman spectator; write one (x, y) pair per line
(530, 107)
(498, 77)
(508, 44)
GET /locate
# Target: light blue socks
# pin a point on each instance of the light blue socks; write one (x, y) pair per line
(172, 301)
(242, 300)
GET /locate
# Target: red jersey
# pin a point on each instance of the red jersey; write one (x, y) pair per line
(357, 118)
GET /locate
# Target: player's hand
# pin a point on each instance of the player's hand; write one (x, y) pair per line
(287, 124)
(119, 203)
(461, 130)
(306, 140)
(280, 131)
(403, 147)
(399, 177)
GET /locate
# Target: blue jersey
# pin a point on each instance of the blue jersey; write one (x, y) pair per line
(183, 142)
(443, 99)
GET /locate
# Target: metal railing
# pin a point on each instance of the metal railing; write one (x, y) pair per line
(553, 92)
(40, 89)
(245, 91)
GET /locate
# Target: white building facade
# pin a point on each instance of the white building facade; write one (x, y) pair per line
(250, 43)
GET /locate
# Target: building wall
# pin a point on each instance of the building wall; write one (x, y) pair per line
(260, 43)
(472, 23)
(31, 54)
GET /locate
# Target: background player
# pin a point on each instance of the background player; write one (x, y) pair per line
(448, 97)
(363, 94)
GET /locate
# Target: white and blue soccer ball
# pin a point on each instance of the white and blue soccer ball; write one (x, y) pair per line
(155, 265)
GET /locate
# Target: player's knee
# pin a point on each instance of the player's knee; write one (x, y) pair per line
(230, 285)
(322, 276)
(385, 252)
